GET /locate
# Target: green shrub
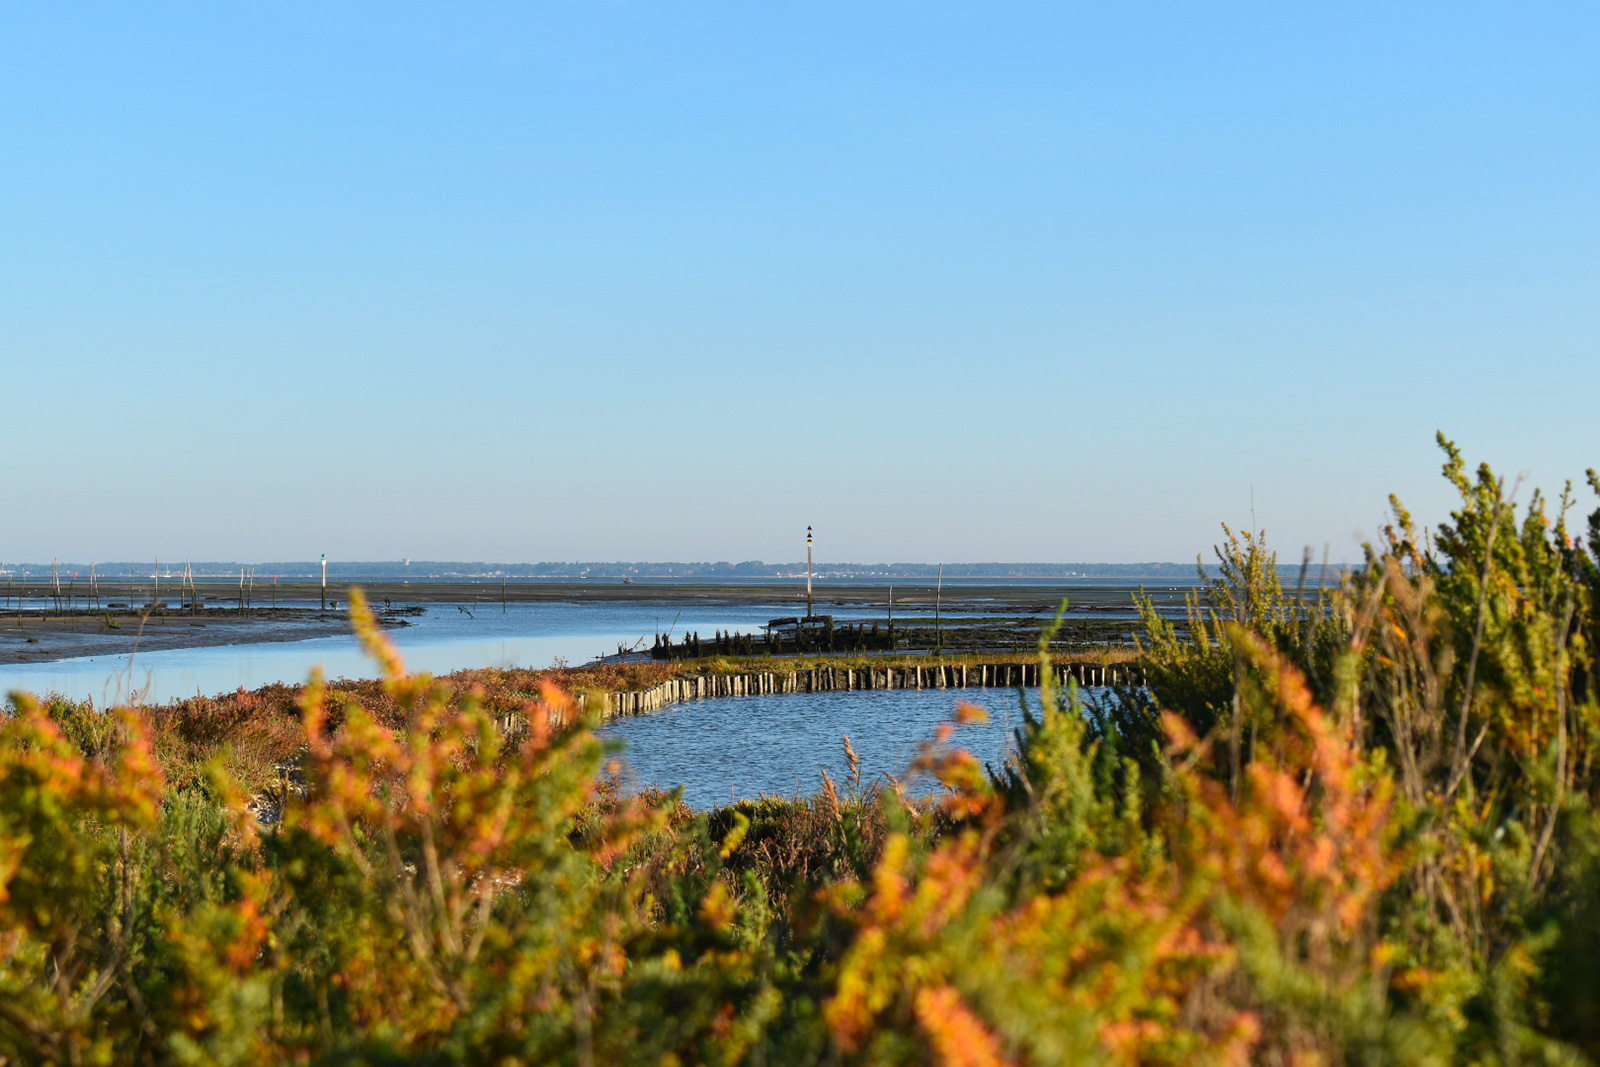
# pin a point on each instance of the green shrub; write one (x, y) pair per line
(1344, 825)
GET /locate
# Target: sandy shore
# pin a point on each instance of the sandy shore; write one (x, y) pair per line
(35, 639)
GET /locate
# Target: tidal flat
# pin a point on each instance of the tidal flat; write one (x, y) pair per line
(214, 640)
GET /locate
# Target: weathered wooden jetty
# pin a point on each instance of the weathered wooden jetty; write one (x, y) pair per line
(687, 687)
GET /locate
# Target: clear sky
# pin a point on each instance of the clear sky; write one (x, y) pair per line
(987, 281)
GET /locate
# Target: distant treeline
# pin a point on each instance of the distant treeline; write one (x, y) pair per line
(359, 569)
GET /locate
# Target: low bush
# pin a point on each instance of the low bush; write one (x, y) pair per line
(1349, 825)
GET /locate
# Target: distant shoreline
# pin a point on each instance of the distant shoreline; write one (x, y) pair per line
(39, 574)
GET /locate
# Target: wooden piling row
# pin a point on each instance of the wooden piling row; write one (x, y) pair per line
(829, 679)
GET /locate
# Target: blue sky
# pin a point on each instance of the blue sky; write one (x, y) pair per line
(670, 281)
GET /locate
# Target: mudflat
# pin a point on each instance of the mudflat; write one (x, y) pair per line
(1000, 597)
(1011, 609)
(32, 638)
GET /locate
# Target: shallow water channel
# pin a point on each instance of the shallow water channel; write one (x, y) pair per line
(743, 747)
(447, 637)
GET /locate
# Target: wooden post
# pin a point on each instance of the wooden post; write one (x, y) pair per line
(891, 619)
(938, 626)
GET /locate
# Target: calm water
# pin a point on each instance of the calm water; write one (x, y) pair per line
(442, 640)
(743, 747)
(445, 638)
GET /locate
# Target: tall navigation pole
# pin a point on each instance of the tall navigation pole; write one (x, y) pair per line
(808, 572)
(324, 581)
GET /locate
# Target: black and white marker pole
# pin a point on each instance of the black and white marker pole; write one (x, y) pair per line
(808, 572)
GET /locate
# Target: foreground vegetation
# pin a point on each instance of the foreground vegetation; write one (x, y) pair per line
(1360, 830)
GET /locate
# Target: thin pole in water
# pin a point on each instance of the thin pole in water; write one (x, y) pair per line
(808, 572)
(324, 581)
(938, 625)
